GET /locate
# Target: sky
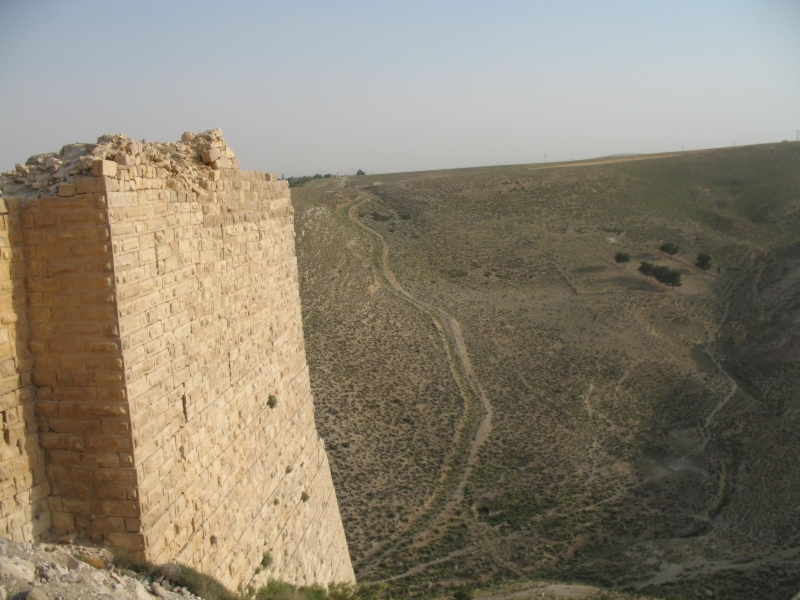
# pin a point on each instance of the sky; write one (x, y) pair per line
(306, 87)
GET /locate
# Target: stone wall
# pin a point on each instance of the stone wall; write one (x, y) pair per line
(169, 368)
(74, 336)
(24, 489)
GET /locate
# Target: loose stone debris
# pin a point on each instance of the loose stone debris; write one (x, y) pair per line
(49, 571)
(191, 163)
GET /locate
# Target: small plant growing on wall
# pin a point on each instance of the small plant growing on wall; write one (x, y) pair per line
(304, 497)
(272, 401)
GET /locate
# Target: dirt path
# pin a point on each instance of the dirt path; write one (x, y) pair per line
(712, 338)
(463, 372)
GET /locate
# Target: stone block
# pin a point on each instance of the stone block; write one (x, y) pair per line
(118, 508)
(87, 185)
(110, 491)
(129, 541)
(104, 168)
(210, 155)
(67, 189)
(62, 520)
(124, 159)
(107, 184)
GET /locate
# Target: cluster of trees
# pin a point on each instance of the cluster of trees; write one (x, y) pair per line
(301, 181)
(703, 260)
(663, 274)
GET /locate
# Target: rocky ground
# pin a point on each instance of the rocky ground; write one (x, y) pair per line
(71, 571)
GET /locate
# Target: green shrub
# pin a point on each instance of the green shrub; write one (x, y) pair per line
(464, 593)
(344, 591)
(272, 401)
(703, 261)
(622, 257)
(278, 590)
(669, 248)
(314, 592)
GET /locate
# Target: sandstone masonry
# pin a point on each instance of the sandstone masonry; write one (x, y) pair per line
(154, 391)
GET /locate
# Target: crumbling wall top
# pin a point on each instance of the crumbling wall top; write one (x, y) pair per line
(189, 164)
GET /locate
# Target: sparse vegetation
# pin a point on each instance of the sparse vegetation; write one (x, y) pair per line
(622, 257)
(278, 590)
(170, 571)
(127, 559)
(272, 401)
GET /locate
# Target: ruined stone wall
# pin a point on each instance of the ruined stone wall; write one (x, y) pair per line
(172, 389)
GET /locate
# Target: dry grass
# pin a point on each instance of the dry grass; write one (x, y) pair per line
(620, 453)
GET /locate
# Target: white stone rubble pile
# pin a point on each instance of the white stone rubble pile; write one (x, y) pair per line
(52, 572)
(192, 162)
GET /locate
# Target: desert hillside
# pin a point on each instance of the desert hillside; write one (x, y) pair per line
(502, 401)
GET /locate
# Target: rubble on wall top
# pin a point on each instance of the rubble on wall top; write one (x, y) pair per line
(188, 162)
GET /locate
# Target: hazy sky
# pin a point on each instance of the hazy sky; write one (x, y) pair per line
(305, 87)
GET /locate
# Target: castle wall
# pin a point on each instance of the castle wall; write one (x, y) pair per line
(164, 313)
(24, 489)
(210, 325)
(81, 402)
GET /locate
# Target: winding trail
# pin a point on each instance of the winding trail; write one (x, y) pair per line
(708, 349)
(463, 372)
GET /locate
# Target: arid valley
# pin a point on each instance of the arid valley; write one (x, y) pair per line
(502, 401)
